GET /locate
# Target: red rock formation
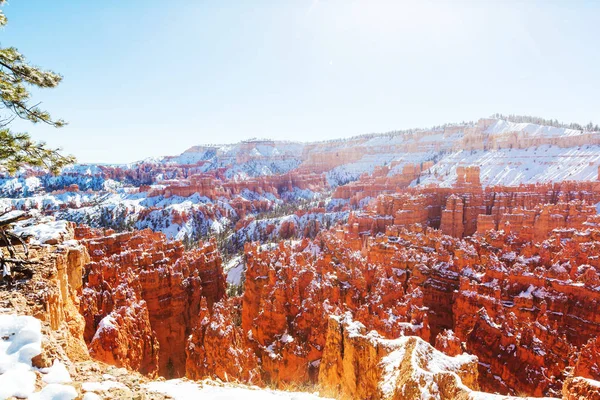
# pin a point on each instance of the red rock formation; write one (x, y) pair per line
(209, 185)
(380, 182)
(588, 361)
(356, 365)
(516, 305)
(155, 287)
(363, 222)
(467, 176)
(525, 359)
(538, 221)
(529, 303)
(511, 276)
(452, 217)
(125, 337)
(56, 294)
(218, 348)
(581, 389)
(515, 209)
(291, 290)
(448, 343)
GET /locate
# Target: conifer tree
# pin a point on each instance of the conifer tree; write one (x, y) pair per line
(17, 75)
(17, 150)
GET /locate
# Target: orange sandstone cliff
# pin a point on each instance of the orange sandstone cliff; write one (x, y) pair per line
(142, 298)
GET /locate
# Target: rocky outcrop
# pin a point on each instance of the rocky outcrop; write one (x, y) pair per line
(452, 217)
(537, 222)
(218, 348)
(468, 176)
(579, 388)
(151, 290)
(61, 296)
(531, 212)
(125, 338)
(291, 289)
(52, 293)
(212, 186)
(527, 317)
(588, 361)
(381, 181)
(357, 365)
(522, 359)
(317, 160)
(448, 343)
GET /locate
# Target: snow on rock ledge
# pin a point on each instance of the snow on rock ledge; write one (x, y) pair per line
(44, 230)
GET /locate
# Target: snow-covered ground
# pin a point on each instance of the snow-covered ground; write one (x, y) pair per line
(267, 157)
(253, 149)
(532, 130)
(181, 218)
(43, 229)
(20, 341)
(184, 390)
(235, 270)
(123, 210)
(516, 166)
(244, 159)
(352, 171)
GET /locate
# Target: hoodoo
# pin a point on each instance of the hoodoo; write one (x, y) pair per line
(400, 268)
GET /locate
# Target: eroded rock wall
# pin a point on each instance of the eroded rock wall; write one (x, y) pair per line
(151, 290)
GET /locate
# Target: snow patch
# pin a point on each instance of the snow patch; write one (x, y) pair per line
(20, 341)
(235, 270)
(183, 390)
(57, 373)
(44, 230)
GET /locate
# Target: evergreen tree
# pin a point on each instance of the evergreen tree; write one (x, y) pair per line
(16, 76)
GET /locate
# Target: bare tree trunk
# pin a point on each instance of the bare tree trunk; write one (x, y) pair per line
(14, 263)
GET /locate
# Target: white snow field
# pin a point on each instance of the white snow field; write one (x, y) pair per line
(512, 167)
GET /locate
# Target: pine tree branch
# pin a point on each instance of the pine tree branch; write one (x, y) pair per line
(17, 150)
(16, 72)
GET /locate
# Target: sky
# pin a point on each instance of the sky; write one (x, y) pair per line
(152, 78)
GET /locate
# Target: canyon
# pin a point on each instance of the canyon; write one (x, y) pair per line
(461, 262)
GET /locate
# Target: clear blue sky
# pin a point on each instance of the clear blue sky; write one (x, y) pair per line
(150, 78)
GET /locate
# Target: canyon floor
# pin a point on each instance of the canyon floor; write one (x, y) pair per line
(461, 262)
